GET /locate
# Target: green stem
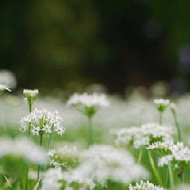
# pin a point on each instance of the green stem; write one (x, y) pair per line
(90, 141)
(49, 142)
(160, 117)
(177, 126)
(171, 176)
(166, 181)
(38, 176)
(29, 133)
(140, 156)
(155, 170)
(30, 107)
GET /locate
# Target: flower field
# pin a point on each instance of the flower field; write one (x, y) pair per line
(93, 141)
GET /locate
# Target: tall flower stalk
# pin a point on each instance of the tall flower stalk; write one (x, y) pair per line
(30, 97)
(41, 122)
(155, 169)
(173, 110)
(88, 105)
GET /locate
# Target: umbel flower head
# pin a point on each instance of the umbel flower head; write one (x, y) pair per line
(3, 88)
(101, 163)
(161, 104)
(42, 122)
(88, 104)
(144, 135)
(63, 157)
(23, 148)
(30, 95)
(145, 186)
(177, 154)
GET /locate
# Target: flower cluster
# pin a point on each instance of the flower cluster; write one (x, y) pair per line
(145, 186)
(88, 104)
(51, 179)
(103, 162)
(22, 147)
(144, 135)
(3, 88)
(63, 157)
(178, 155)
(30, 95)
(161, 104)
(42, 122)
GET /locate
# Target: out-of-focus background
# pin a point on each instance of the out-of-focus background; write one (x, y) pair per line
(71, 44)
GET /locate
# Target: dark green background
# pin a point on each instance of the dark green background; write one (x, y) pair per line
(69, 44)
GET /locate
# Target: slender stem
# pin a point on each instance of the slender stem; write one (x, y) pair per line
(181, 175)
(90, 141)
(29, 133)
(49, 142)
(177, 126)
(30, 107)
(155, 170)
(140, 156)
(160, 117)
(183, 178)
(38, 176)
(171, 176)
(166, 181)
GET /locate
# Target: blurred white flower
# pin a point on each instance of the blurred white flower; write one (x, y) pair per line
(51, 179)
(161, 104)
(173, 107)
(22, 147)
(165, 160)
(88, 104)
(8, 78)
(103, 162)
(30, 95)
(144, 135)
(60, 156)
(3, 88)
(40, 122)
(145, 186)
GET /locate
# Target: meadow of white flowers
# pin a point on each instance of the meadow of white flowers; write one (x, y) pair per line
(93, 141)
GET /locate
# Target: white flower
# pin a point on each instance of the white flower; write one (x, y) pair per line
(103, 162)
(173, 107)
(24, 148)
(51, 179)
(144, 135)
(145, 186)
(62, 155)
(161, 145)
(60, 130)
(3, 88)
(165, 160)
(88, 104)
(35, 131)
(177, 153)
(52, 152)
(47, 129)
(43, 122)
(7, 78)
(30, 95)
(161, 104)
